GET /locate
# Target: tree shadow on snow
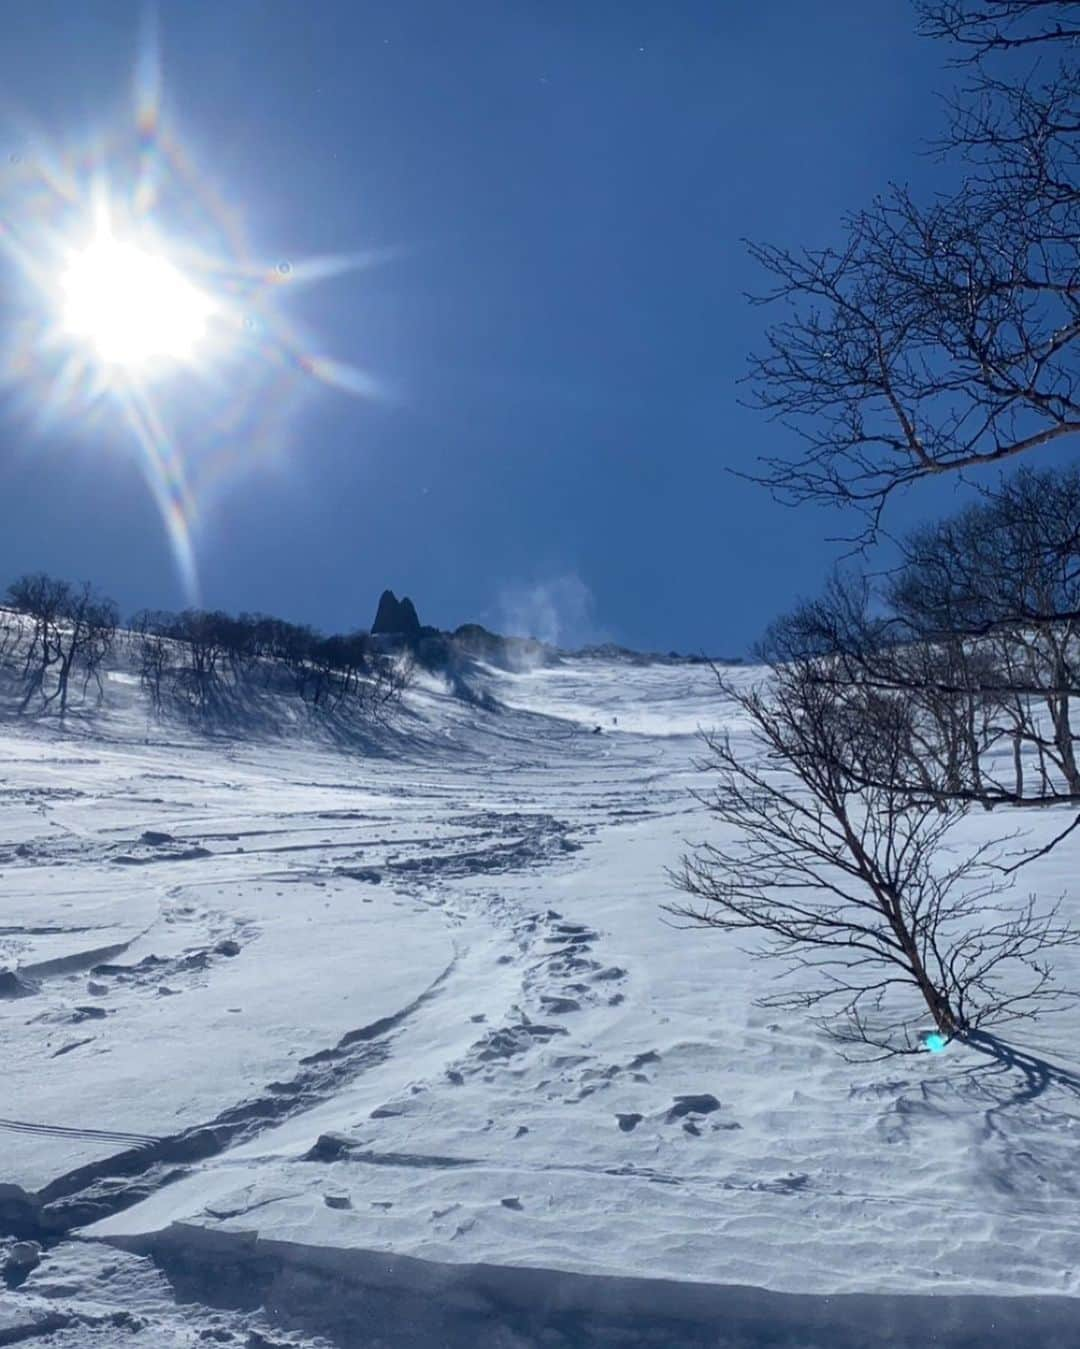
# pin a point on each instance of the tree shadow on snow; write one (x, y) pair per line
(1007, 1062)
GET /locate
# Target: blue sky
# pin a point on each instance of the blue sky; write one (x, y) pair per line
(559, 324)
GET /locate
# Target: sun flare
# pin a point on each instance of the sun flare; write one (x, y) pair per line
(132, 306)
(141, 308)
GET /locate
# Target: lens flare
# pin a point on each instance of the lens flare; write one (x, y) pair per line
(136, 303)
(133, 307)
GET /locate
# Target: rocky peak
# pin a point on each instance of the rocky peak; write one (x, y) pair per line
(396, 616)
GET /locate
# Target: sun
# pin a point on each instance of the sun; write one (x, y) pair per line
(133, 307)
(137, 309)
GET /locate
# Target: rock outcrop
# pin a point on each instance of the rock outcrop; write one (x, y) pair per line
(396, 617)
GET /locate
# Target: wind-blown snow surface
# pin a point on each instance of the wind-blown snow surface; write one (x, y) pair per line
(412, 1019)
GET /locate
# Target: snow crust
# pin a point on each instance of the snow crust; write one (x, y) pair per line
(553, 1077)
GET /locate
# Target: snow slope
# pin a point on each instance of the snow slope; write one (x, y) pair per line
(412, 1018)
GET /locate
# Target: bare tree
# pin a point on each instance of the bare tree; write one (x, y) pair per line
(71, 628)
(986, 26)
(202, 643)
(854, 887)
(89, 634)
(42, 600)
(348, 670)
(1010, 561)
(388, 680)
(204, 656)
(942, 335)
(979, 626)
(10, 634)
(1005, 575)
(154, 651)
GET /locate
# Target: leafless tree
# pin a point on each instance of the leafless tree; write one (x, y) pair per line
(90, 633)
(154, 652)
(854, 886)
(41, 599)
(10, 635)
(941, 335)
(348, 670)
(1005, 575)
(205, 656)
(982, 27)
(980, 627)
(390, 676)
(201, 638)
(1009, 561)
(71, 629)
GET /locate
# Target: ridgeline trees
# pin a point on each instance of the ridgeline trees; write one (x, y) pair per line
(55, 635)
(197, 656)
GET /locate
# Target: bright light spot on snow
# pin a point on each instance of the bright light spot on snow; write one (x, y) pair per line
(131, 305)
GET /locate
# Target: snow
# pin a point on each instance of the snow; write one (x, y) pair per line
(445, 959)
